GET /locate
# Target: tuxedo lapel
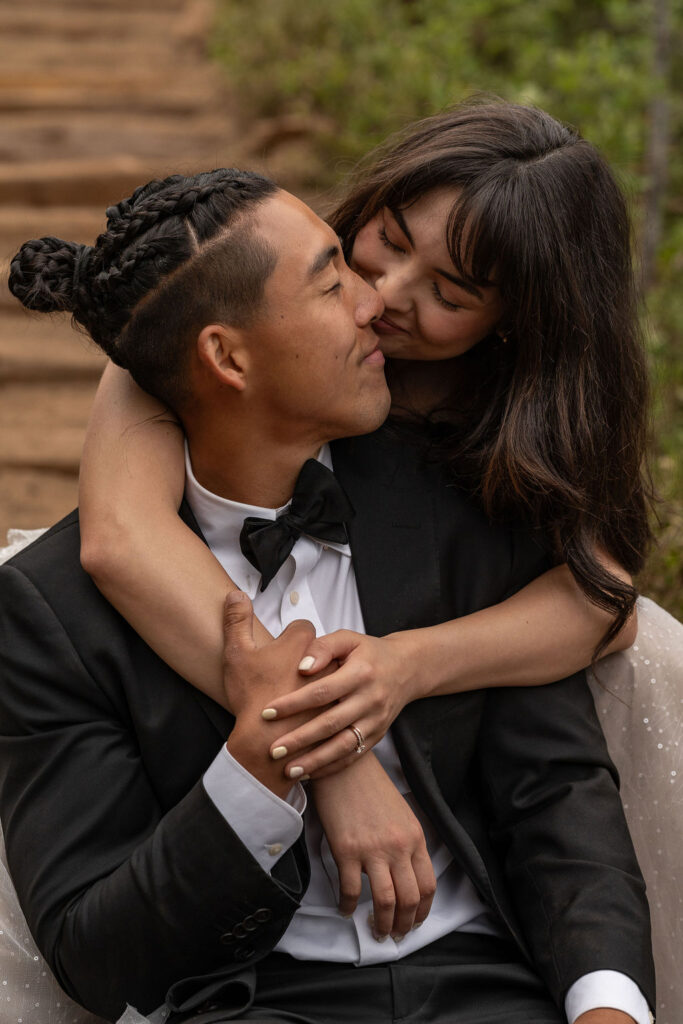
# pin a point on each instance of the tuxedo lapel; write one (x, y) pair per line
(396, 562)
(392, 534)
(396, 556)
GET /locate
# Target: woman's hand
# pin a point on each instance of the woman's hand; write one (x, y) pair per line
(371, 829)
(376, 679)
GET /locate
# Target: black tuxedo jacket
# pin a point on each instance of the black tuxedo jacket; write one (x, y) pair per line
(135, 886)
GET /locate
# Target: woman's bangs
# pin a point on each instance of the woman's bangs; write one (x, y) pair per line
(470, 243)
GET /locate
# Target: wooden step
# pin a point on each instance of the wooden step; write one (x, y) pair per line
(35, 347)
(184, 23)
(76, 24)
(94, 182)
(135, 79)
(42, 425)
(192, 95)
(87, 5)
(18, 224)
(30, 498)
(45, 53)
(34, 135)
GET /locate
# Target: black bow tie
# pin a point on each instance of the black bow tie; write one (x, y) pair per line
(318, 508)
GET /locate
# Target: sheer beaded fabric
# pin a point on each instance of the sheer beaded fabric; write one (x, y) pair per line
(639, 698)
(29, 993)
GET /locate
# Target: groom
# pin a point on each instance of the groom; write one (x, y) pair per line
(154, 862)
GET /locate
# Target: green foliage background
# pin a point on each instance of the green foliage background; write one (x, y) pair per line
(370, 66)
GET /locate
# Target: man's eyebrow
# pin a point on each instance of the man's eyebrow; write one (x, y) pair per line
(322, 260)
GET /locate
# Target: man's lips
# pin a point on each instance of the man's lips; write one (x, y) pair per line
(374, 357)
(386, 326)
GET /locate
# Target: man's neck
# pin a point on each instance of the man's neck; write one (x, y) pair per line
(250, 473)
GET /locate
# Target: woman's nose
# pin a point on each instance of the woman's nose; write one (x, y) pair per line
(393, 284)
(370, 304)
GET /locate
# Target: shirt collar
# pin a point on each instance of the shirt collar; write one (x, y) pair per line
(221, 521)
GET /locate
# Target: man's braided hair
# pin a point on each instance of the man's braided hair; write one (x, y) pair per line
(176, 255)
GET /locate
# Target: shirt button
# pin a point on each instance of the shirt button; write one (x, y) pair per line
(294, 597)
(274, 849)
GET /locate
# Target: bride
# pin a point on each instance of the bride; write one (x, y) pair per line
(513, 347)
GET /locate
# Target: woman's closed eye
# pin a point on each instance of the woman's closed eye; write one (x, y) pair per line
(439, 298)
(385, 240)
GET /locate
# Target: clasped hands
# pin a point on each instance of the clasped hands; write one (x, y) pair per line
(369, 826)
(343, 679)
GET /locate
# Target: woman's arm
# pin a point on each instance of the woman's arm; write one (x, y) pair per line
(166, 582)
(145, 560)
(544, 632)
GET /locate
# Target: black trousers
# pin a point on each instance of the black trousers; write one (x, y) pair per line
(460, 979)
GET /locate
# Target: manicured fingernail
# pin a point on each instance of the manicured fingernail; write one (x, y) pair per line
(278, 752)
(234, 596)
(269, 713)
(306, 663)
(380, 938)
(296, 772)
(397, 938)
(418, 924)
(304, 778)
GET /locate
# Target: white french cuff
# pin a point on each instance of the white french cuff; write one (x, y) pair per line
(608, 989)
(267, 825)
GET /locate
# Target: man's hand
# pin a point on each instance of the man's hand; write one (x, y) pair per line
(251, 672)
(371, 829)
(603, 1015)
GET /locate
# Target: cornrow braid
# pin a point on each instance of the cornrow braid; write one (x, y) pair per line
(146, 285)
(154, 202)
(118, 287)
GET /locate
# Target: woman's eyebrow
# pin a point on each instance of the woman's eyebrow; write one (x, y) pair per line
(465, 285)
(400, 220)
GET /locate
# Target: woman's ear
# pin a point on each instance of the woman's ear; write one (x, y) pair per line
(222, 352)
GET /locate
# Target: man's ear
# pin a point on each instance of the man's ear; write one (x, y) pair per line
(221, 350)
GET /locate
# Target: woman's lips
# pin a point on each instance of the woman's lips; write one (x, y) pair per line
(386, 326)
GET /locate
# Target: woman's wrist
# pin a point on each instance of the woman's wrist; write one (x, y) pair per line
(429, 657)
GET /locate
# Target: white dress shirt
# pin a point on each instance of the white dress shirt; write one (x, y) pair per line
(317, 582)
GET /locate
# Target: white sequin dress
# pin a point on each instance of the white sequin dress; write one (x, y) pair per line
(639, 697)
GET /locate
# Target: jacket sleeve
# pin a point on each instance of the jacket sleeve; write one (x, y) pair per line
(559, 827)
(124, 897)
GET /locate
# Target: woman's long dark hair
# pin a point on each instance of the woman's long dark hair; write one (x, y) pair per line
(551, 426)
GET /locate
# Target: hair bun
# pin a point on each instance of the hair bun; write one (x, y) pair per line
(46, 273)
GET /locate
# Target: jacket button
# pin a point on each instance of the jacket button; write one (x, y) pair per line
(263, 914)
(244, 953)
(250, 923)
(239, 931)
(227, 938)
